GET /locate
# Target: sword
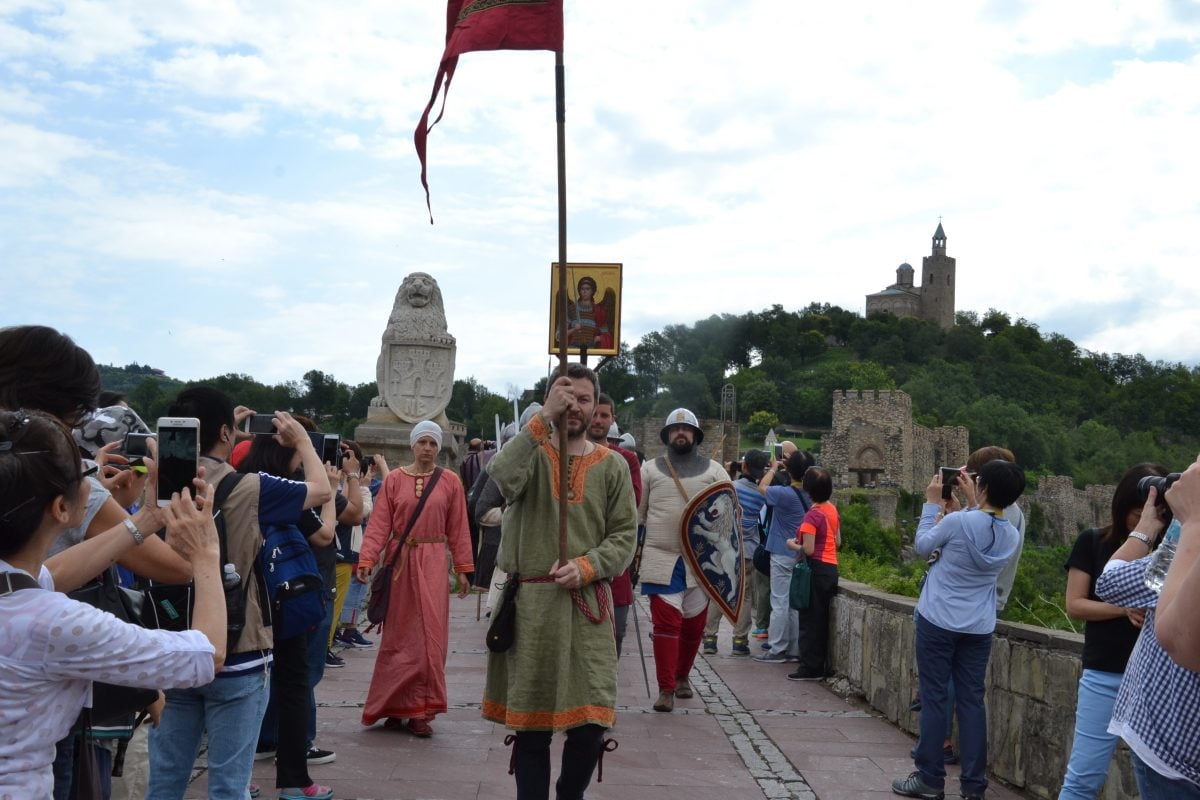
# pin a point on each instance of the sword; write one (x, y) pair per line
(637, 630)
(635, 573)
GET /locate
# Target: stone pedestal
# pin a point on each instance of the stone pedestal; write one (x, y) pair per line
(386, 434)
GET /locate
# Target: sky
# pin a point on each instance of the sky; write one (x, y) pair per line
(219, 186)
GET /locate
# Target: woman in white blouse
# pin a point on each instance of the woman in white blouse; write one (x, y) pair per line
(52, 647)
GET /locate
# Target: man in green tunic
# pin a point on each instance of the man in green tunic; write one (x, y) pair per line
(561, 671)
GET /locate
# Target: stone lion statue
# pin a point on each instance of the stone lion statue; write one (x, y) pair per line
(418, 312)
(415, 370)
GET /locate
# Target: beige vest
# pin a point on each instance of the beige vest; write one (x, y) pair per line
(244, 539)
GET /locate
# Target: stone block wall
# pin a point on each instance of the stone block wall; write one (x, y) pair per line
(1068, 510)
(1031, 685)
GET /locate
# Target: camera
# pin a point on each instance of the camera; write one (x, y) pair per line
(1159, 482)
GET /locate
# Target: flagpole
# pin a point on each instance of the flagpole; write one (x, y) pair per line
(560, 102)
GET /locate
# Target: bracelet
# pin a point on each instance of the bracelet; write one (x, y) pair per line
(132, 527)
(1143, 538)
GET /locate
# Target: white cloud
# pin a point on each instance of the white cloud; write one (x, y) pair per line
(747, 153)
(231, 123)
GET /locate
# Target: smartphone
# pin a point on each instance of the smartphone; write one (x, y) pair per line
(949, 481)
(331, 450)
(178, 455)
(778, 452)
(260, 424)
(318, 441)
(135, 445)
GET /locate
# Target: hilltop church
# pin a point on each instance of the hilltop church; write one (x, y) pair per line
(932, 300)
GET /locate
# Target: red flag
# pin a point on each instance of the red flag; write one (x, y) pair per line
(488, 25)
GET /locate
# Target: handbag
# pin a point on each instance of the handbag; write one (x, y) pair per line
(85, 768)
(762, 559)
(112, 703)
(800, 588)
(503, 631)
(381, 583)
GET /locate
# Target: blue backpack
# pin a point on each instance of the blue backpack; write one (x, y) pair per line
(293, 590)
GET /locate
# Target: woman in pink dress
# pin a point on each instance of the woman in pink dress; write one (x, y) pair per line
(408, 687)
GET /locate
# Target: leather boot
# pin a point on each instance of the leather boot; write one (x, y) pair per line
(683, 689)
(665, 701)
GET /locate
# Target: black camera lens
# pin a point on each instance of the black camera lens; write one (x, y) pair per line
(1159, 482)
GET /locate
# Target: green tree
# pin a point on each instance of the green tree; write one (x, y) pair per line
(759, 423)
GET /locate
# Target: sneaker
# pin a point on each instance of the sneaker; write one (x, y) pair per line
(318, 756)
(333, 661)
(741, 647)
(771, 658)
(313, 792)
(759, 633)
(804, 675)
(916, 705)
(765, 645)
(264, 753)
(792, 659)
(353, 636)
(709, 648)
(254, 790)
(913, 786)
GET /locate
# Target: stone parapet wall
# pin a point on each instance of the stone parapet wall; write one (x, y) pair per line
(1031, 685)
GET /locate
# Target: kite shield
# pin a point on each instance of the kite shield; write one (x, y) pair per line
(711, 538)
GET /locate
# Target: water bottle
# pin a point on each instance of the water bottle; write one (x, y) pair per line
(231, 578)
(1156, 573)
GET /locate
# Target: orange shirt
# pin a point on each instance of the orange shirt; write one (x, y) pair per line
(821, 522)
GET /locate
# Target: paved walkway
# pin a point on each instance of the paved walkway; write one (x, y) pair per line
(748, 733)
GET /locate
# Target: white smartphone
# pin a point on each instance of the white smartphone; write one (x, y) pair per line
(178, 455)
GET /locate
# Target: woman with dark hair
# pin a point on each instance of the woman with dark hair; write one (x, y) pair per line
(817, 538)
(52, 647)
(1109, 635)
(43, 369)
(285, 724)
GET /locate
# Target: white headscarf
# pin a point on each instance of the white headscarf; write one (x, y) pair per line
(426, 428)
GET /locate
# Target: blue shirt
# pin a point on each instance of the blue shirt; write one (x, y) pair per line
(960, 591)
(752, 502)
(789, 507)
(1159, 701)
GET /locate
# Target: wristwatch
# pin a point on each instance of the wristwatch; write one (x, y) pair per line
(132, 527)
(1143, 538)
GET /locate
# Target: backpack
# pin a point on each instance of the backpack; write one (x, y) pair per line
(291, 591)
(169, 606)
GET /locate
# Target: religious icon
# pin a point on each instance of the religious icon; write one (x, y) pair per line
(593, 309)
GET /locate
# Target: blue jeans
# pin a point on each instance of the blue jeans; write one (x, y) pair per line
(1153, 786)
(783, 633)
(318, 646)
(231, 709)
(354, 598)
(941, 655)
(1092, 750)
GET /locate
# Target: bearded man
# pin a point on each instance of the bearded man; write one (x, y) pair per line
(601, 432)
(560, 673)
(678, 604)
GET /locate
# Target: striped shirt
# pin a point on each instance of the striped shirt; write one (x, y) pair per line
(1157, 711)
(751, 500)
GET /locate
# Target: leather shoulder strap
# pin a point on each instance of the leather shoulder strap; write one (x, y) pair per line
(412, 519)
(15, 581)
(675, 477)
